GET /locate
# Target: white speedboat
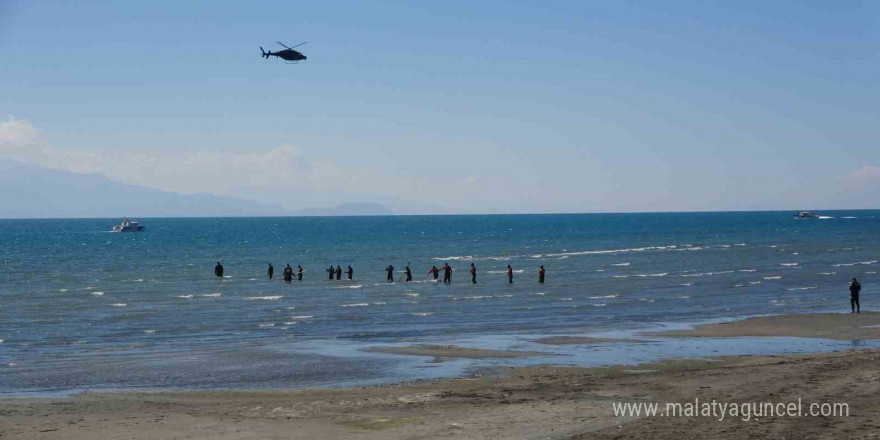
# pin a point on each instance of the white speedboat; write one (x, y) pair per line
(805, 214)
(128, 226)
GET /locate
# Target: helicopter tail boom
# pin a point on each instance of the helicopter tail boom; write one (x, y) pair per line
(265, 55)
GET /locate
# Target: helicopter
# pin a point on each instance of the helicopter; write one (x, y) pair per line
(287, 54)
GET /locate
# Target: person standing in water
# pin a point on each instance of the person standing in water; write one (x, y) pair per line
(288, 273)
(390, 270)
(350, 272)
(338, 272)
(854, 289)
(331, 271)
(509, 274)
(447, 273)
(218, 270)
(473, 273)
(299, 272)
(541, 275)
(271, 271)
(434, 271)
(408, 273)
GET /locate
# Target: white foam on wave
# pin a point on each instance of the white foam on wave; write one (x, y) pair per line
(63, 290)
(211, 295)
(662, 274)
(185, 296)
(747, 270)
(563, 257)
(620, 264)
(291, 323)
(849, 216)
(380, 303)
(825, 217)
(827, 273)
(98, 293)
(263, 298)
(776, 277)
(620, 276)
(151, 331)
(788, 264)
(600, 305)
(227, 276)
(268, 324)
(683, 296)
(687, 284)
(647, 300)
(422, 313)
(600, 270)
(411, 294)
(565, 299)
(540, 293)
(754, 282)
(139, 280)
(302, 317)
(872, 272)
(356, 286)
(706, 274)
(613, 295)
(119, 304)
(356, 305)
(801, 288)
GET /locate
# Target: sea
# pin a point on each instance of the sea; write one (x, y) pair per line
(83, 309)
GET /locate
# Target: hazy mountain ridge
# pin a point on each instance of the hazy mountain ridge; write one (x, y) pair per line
(29, 191)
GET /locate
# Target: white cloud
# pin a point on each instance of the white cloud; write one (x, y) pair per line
(865, 172)
(16, 134)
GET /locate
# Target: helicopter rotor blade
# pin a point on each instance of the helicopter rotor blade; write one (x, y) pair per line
(282, 44)
(300, 44)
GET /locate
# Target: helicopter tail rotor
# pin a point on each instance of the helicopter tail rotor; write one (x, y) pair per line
(265, 55)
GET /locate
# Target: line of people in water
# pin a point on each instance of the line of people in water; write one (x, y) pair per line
(434, 271)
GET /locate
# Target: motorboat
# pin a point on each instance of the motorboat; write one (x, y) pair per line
(805, 214)
(128, 226)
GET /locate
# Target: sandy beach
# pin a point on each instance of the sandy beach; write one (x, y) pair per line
(840, 326)
(515, 403)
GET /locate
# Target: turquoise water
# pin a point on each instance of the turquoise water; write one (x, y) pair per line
(83, 308)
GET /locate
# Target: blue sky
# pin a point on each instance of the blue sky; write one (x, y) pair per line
(455, 106)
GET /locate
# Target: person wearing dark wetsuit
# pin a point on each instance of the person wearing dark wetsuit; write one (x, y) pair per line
(299, 273)
(218, 270)
(447, 274)
(434, 271)
(541, 275)
(509, 274)
(390, 270)
(854, 289)
(408, 273)
(331, 271)
(473, 273)
(271, 271)
(288, 274)
(338, 272)
(350, 272)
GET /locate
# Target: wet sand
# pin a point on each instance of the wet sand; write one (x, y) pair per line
(840, 326)
(452, 351)
(513, 403)
(522, 403)
(583, 340)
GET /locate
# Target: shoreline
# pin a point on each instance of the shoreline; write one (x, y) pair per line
(540, 401)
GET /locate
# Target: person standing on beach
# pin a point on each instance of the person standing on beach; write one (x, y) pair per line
(288, 273)
(350, 272)
(447, 273)
(271, 270)
(541, 275)
(390, 270)
(338, 272)
(473, 273)
(509, 274)
(434, 271)
(854, 289)
(218, 270)
(299, 273)
(408, 273)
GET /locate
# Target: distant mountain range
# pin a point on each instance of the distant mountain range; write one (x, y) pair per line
(28, 191)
